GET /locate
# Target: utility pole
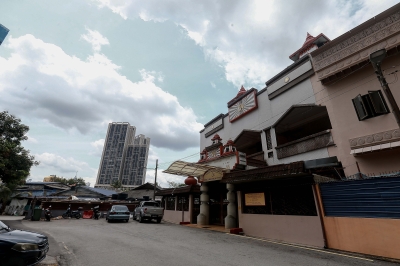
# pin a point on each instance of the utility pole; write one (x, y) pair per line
(155, 181)
(376, 59)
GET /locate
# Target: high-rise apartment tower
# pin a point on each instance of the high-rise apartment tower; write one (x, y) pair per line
(124, 157)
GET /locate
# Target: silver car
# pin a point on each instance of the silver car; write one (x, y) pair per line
(118, 213)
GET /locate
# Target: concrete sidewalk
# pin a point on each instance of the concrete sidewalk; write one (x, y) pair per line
(48, 261)
(11, 218)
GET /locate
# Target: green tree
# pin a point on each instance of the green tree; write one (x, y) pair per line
(69, 181)
(15, 161)
(116, 184)
(175, 184)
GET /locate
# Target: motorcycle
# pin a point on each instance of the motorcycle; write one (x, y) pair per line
(47, 213)
(72, 214)
(96, 213)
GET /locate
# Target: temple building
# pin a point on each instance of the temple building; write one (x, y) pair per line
(260, 160)
(312, 158)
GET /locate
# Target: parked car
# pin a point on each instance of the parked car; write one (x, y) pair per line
(18, 247)
(118, 213)
(148, 210)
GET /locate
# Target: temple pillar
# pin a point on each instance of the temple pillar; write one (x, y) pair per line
(231, 217)
(203, 217)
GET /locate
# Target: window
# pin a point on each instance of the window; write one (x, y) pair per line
(183, 202)
(269, 142)
(170, 203)
(370, 105)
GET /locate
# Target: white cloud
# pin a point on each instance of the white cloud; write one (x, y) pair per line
(163, 178)
(60, 164)
(31, 139)
(98, 147)
(40, 80)
(95, 39)
(252, 40)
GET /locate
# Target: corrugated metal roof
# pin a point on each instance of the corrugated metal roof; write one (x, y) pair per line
(105, 192)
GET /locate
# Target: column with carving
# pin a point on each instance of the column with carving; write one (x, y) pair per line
(203, 217)
(230, 219)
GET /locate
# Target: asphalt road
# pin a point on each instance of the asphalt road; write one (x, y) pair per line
(96, 242)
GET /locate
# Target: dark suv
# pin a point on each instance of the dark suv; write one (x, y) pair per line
(19, 247)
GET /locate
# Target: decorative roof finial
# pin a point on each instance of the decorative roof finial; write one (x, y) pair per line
(241, 91)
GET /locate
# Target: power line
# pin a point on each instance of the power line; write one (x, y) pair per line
(313, 94)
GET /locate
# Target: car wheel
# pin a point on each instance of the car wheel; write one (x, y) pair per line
(141, 220)
(134, 217)
(158, 220)
(108, 221)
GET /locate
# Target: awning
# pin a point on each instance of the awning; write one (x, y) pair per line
(193, 169)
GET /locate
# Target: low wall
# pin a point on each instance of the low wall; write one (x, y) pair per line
(304, 230)
(374, 236)
(176, 216)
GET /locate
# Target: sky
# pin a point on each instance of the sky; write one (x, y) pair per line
(68, 68)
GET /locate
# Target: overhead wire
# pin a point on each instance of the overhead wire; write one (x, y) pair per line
(313, 94)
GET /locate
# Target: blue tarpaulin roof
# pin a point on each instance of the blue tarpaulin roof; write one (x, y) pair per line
(3, 33)
(105, 192)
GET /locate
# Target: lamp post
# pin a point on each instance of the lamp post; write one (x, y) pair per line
(376, 59)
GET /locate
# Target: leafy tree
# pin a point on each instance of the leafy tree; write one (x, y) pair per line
(69, 181)
(116, 184)
(15, 161)
(175, 184)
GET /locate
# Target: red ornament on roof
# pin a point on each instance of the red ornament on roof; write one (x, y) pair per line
(309, 38)
(229, 143)
(216, 137)
(241, 91)
(309, 43)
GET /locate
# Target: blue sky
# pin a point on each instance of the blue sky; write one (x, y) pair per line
(68, 68)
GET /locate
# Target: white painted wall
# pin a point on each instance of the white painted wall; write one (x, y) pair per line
(267, 113)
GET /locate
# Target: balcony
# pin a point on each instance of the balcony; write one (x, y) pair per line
(256, 159)
(312, 142)
(375, 142)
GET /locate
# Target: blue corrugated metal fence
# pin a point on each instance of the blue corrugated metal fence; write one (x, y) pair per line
(371, 198)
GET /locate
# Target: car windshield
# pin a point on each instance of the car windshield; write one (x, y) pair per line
(120, 208)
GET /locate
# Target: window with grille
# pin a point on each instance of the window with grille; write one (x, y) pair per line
(370, 105)
(183, 202)
(170, 203)
(269, 142)
(283, 200)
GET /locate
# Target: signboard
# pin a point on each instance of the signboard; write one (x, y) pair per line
(3, 33)
(242, 158)
(254, 199)
(211, 175)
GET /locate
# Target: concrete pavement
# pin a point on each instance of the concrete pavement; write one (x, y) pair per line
(96, 242)
(11, 218)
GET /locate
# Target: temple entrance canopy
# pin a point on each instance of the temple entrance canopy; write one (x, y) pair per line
(204, 173)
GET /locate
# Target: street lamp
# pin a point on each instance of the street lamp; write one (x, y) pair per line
(376, 59)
